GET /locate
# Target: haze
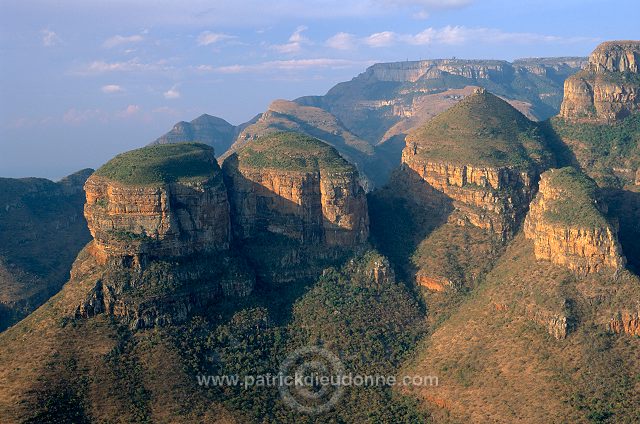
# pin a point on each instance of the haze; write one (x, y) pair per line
(81, 81)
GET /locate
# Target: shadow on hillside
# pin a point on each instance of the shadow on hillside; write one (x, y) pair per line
(563, 154)
(402, 214)
(624, 207)
(288, 244)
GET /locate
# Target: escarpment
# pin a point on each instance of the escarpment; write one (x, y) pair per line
(292, 190)
(161, 226)
(141, 204)
(567, 224)
(608, 89)
(485, 156)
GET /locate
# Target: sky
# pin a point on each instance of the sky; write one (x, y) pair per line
(83, 80)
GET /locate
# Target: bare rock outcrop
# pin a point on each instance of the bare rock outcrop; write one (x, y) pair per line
(161, 226)
(298, 187)
(161, 217)
(567, 224)
(296, 204)
(608, 89)
(485, 156)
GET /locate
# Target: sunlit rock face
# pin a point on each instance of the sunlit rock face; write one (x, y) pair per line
(485, 156)
(565, 222)
(162, 217)
(608, 89)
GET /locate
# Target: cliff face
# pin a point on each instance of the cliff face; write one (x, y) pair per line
(491, 198)
(406, 94)
(609, 88)
(294, 204)
(475, 155)
(161, 226)
(626, 322)
(566, 224)
(173, 219)
(283, 115)
(318, 204)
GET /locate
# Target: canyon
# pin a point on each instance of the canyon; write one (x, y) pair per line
(432, 228)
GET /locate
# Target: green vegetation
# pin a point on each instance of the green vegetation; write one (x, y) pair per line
(42, 229)
(160, 164)
(483, 130)
(371, 327)
(577, 204)
(292, 152)
(601, 147)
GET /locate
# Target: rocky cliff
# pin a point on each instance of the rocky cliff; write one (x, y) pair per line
(608, 89)
(395, 94)
(485, 156)
(295, 189)
(154, 209)
(283, 115)
(161, 226)
(568, 227)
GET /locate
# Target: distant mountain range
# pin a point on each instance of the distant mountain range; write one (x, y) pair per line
(367, 118)
(500, 258)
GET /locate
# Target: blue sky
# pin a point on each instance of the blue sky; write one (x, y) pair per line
(83, 80)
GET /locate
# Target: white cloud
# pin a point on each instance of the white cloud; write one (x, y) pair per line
(49, 38)
(291, 65)
(118, 40)
(132, 65)
(296, 40)
(421, 15)
(129, 111)
(112, 89)
(381, 39)
(207, 37)
(461, 35)
(448, 35)
(342, 41)
(77, 116)
(172, 93)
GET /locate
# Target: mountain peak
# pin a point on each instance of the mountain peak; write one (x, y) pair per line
(482, 129)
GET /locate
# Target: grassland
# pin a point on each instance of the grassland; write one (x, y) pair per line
(162, 164)
(577, 205)
(483, 130)
(292, 152)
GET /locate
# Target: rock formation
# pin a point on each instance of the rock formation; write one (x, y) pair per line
(567, 225)
(295, 204)
(283, 115)
(391, 95)
(207, 129)
(298, 187)
(626, 322)
(484, 155)
(161, 226)
(608, 89)
(175, 213)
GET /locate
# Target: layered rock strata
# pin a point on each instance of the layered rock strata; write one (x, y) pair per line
(609, 88)
(165, 218)
(297, 187)
(567, 224)
(296, 205)
(484, 155)
(161, 226)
